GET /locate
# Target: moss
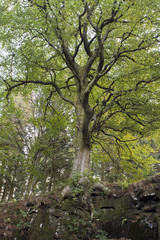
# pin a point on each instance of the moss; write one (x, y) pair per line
(113, 209)
(68, 204)
(41, 228)
(81, 218)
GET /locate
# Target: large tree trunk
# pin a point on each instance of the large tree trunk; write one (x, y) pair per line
(82, 158)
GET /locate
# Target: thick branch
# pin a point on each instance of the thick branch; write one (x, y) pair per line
(38, 82)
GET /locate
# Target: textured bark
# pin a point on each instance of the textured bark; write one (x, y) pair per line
(82, 159)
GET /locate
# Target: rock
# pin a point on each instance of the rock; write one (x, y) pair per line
(99, 187)
(67, 192)
(133, 214)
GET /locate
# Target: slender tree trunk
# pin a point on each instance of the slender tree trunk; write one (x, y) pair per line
(5, 191)
(50, 180)
(102, 171)
(1, 185)
(11, 192)
(28, 186)
(33, 188)
(12, 184)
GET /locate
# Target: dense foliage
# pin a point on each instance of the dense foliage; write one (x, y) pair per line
(85, 76)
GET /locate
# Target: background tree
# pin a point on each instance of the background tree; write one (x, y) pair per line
(35, 154)
(101, 57)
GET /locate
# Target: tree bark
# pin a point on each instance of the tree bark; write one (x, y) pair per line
(50, 180)
(82, 160)
(28, 187)
(5, 191)
(11, 192)
(1, 186)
